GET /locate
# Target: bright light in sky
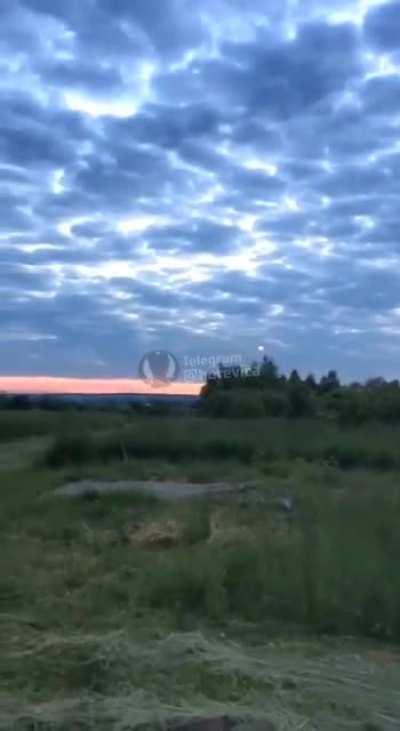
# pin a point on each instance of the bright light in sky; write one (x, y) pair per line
(246, 223)
(65, 226)
(276, 310)
(291, 204)
(266, 167)
(366, 222)
(381, 65)
(138, 224)
(139, 80)
(354, 13)
(57, 181)
(96, 108)
(23, 335)
(211, 195)
(328, 166)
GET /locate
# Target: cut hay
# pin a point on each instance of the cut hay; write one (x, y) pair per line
(181, 676)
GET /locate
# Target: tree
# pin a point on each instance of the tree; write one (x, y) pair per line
(311, 382)
(329, 383)
(375, 383)
(269, 370)
(294, 378)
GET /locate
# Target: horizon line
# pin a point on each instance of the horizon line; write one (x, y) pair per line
(93, 386)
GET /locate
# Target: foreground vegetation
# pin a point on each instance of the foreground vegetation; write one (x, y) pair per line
(247, 441)
(124, 611)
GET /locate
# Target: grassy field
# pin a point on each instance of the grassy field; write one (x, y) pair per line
(266, 441)
(126, 612)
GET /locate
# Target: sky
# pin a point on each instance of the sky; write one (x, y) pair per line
(199, 176)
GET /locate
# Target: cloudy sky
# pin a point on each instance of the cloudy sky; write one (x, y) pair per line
(200, 176)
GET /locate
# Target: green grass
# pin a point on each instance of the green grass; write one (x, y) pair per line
(31, 423)
(84, 437)
(335, 569)
(244, 612)
(375, 447)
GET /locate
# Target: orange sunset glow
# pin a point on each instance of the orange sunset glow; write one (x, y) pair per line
(52, 385)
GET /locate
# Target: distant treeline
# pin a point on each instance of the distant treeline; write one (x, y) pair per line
(263, 391)
(22, 402)
(150, 405)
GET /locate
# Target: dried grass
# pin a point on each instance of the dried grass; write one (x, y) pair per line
(165, 680)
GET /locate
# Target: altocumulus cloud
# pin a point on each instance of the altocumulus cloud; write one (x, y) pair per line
(201, 177)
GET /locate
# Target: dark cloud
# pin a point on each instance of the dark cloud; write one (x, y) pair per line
(33, 135)
(382, 26)
(381, 95)
(359, 179)
(278, 81)
(258, 134)
(73, 9)
(165, 126)
(16, 277)
(93, 230)
(12, 217)
(28, 147)
(197, 235)
(82, 75)
(372, 291)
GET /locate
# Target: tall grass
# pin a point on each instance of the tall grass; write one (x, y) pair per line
(81, 448)
(24, 424)
(81, 437)
(375, 447)
(334, 568)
